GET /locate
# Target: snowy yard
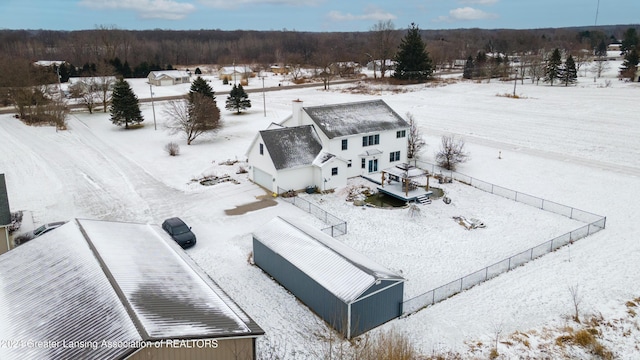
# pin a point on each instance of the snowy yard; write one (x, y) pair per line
(577, 146)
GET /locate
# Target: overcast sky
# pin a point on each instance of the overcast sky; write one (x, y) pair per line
(313, 15)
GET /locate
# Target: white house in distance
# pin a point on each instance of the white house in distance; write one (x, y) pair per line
(322, 146)
(169, 77)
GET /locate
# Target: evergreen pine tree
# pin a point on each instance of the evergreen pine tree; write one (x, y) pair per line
(238, 99)
(630, 64)
(630, 41)
(601, 49)
(201, 86)
(468, 68)
(412, 59)
(124, 105)
(552, 69)
(568, 73)
(480, 64)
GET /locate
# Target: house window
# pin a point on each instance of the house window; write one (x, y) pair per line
(364, 163)
(394, 156)
(334, 171)
(401, 133)
(371, 140)
(261, 149)
(349, 163)
(344, 144)
(373, 165)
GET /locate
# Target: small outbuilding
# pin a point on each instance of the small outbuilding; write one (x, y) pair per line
(348, 290)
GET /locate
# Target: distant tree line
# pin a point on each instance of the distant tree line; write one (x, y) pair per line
(134, 53)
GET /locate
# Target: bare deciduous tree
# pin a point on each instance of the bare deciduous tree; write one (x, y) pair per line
(451, 153)
(415, 142)
(576, 299)
(599, 65)
(194, 118)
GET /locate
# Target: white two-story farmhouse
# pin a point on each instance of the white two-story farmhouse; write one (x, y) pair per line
(322, 146)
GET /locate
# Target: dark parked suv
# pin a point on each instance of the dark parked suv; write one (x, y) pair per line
(180, 232)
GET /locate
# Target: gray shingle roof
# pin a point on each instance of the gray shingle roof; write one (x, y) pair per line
(355, 118)
(292, 147)
(5, 212)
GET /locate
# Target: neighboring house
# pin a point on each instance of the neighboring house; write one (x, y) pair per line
(349, 291)
(235, 74)
(108, 290)
(389, 65)
(93, 83)
(5, 217)
(169, 77)
(280, 70)
(637, 77)
(345, 68)
(338, 142)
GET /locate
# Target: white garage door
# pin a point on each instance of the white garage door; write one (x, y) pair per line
(166, 82)
(262, 178)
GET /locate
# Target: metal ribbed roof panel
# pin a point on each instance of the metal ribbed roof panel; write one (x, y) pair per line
(338, 268)
(53, 291)
(168, 298)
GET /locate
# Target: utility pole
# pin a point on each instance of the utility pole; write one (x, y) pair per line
(153, 106)
(264, 101)
(515, 81)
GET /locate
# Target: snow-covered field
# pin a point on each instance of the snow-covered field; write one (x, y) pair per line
(577, 146)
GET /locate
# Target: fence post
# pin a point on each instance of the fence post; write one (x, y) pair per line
(486, 273)
(542, 206)
(509, 268)
(531, 257)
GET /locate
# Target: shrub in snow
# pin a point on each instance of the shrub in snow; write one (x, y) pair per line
(172, 149)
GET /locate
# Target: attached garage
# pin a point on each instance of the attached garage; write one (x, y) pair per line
(349, 291)
(262, 178)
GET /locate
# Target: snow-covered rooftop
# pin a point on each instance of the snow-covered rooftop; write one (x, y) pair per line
(168, 298)
(340, 269)
(292, 147)
(52, 289)
(355, 118)
(169, 73)
(95, 280)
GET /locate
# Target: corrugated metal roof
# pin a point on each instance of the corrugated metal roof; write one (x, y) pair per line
(93, 280)
(340, 269)
(292, 147)
(52, 290)
(5, 211)
(355, 118)
(167, 297)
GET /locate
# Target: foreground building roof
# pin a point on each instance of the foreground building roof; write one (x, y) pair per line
(93, 281)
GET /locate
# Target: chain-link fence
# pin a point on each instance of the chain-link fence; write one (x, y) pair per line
(337, 226)
(594, 222)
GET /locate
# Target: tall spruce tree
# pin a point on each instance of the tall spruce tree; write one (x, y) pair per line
(568, 73)
(412, 59)
(630, 41)
(468, 68)
(124, 105)
(238, 99)
(630, 65)
(201, 86)
(552, 69)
